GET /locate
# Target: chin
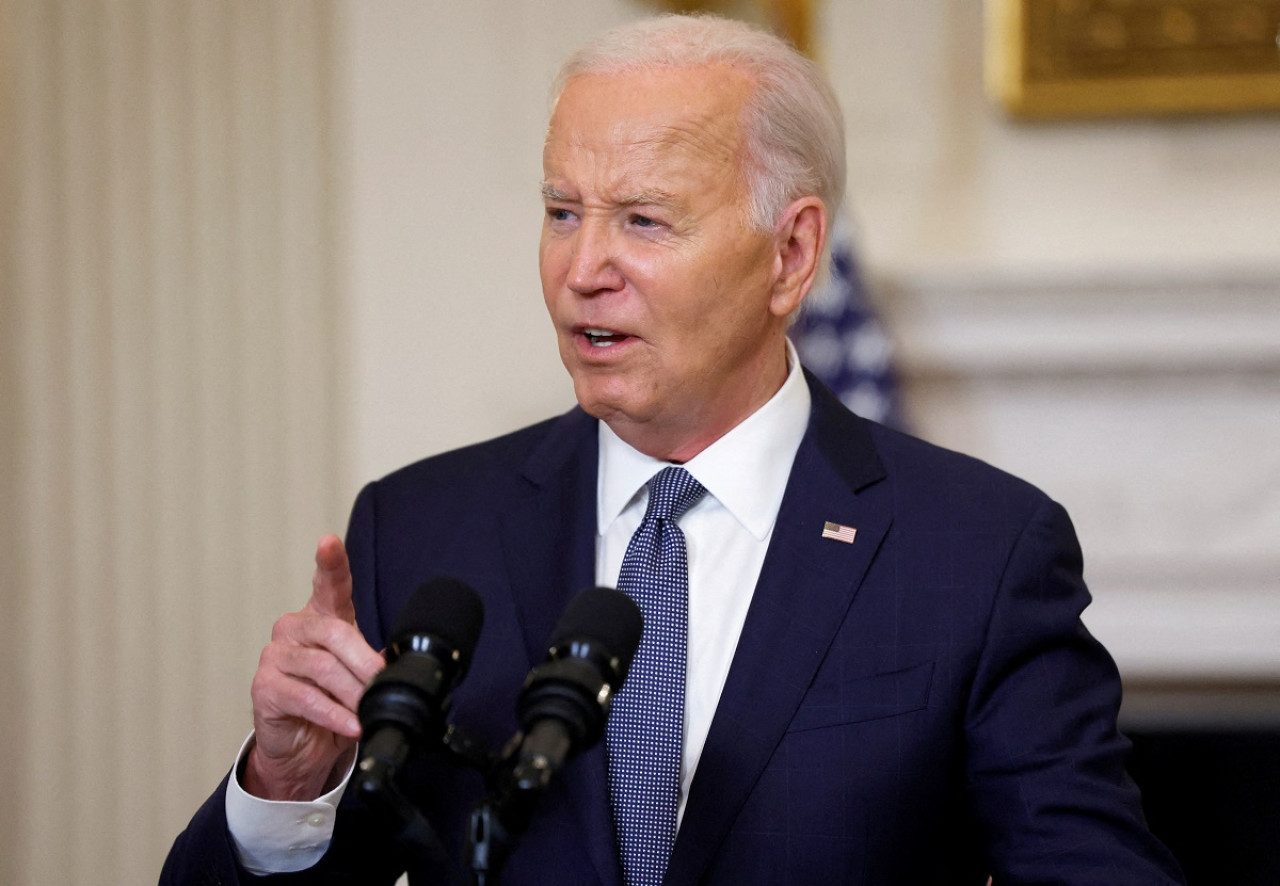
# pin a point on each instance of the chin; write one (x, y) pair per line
(602, 408)
(607, 405)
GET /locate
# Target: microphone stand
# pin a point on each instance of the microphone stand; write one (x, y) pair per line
(377, 787)
(412, 830)
(515, 784)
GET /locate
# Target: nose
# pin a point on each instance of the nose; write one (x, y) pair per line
(592, 259)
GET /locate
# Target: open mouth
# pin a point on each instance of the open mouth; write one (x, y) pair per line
(603, 338)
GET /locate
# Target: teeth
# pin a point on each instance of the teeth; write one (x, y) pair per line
(601, 338)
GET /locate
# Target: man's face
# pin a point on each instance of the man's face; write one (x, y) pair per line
(661, 294)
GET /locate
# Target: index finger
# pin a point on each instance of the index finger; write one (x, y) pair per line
(331, 583)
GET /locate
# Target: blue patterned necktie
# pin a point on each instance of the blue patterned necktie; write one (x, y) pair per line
(645, 731)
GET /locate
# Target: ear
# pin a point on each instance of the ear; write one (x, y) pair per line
(800, 236)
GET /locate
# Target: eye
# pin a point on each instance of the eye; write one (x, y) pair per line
(643, 221)
(559, 214)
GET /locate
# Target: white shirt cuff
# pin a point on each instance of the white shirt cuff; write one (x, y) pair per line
(280, 836)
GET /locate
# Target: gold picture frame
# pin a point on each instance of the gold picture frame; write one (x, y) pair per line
(1075, 58)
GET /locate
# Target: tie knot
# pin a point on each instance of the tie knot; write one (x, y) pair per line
(672, 491)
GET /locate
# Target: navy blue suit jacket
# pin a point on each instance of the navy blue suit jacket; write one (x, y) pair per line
(920, 706)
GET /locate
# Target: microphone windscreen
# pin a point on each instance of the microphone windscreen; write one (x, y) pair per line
(606, 617)
(447, 608)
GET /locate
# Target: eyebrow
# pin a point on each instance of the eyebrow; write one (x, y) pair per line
(551, 192)
(652, 197)
(649, 197)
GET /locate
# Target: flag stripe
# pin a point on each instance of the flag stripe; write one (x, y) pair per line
(842, 341)
(839, 532)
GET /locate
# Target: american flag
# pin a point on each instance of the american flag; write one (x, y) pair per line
(840, 339)
(839, 532)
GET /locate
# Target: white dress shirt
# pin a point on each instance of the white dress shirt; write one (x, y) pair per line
(726, 533)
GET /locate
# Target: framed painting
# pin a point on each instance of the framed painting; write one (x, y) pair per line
(1060, 58)
(792, 19)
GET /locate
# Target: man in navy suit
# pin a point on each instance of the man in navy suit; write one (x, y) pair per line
(887, 679)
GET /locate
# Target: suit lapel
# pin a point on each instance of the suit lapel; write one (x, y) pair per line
(549, 535)
(805, 588)
(549, 528)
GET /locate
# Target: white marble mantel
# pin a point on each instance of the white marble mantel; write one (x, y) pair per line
(1149, 404)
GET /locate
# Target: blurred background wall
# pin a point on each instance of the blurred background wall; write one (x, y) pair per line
(253, 254)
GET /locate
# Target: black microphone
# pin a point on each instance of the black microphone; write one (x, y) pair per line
(566, 699)
(562, 711)
(403, 709)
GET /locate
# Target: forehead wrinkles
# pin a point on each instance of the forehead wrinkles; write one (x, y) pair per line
(625, 157)
(710, 137)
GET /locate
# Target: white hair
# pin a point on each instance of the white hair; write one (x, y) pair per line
(792, 122)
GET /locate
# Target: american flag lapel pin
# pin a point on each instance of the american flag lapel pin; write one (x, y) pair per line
(838, 532)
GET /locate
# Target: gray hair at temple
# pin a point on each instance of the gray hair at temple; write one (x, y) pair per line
(794, 128)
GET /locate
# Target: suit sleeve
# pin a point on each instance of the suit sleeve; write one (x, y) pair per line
(1045, 759)
(203, 854)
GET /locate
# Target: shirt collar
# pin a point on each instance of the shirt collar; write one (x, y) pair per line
(761, 447)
